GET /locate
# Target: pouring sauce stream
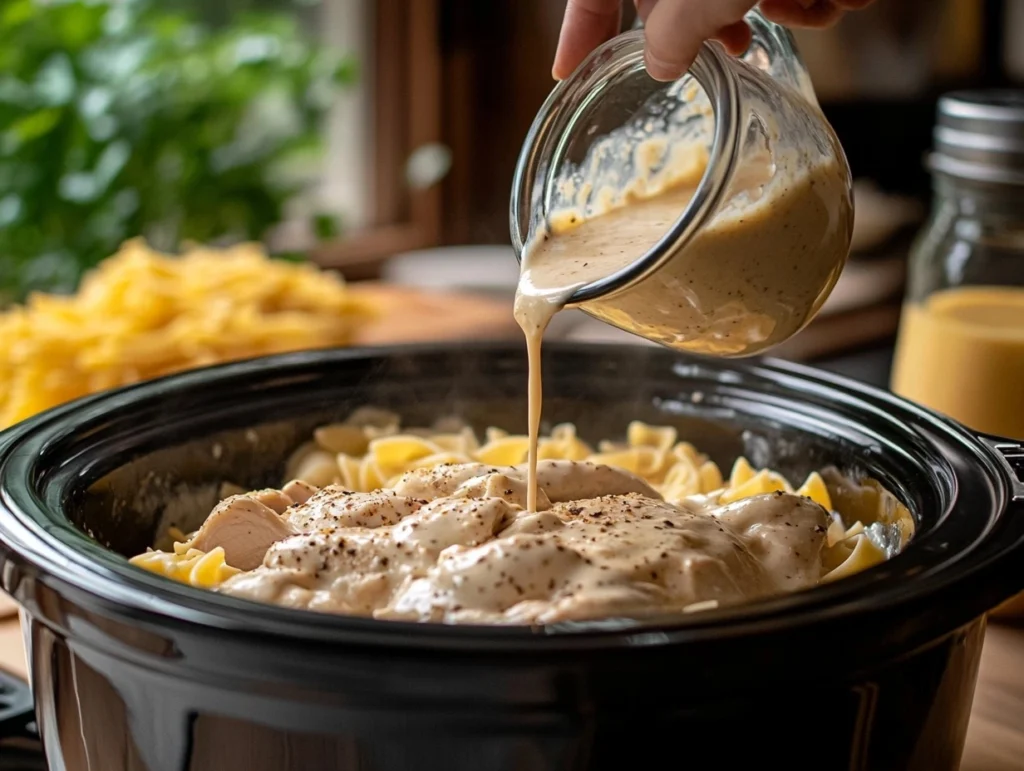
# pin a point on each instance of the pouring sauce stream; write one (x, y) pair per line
(751, 277)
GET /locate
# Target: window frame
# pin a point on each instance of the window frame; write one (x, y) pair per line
(405, 71)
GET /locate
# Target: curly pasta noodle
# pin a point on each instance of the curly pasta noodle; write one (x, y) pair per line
(204, 570)
(143, 314)
(371, 449)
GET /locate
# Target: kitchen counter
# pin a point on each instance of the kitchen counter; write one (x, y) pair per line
(995, 738)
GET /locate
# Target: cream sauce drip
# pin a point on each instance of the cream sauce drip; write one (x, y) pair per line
(751, 277)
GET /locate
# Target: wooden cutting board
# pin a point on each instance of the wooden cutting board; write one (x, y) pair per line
(412, 315)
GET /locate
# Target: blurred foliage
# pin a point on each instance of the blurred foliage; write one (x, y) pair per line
(121, 118)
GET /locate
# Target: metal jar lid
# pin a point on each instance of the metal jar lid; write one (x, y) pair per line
(979, 136)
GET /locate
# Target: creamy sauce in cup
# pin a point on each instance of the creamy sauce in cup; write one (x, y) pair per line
(750, 278)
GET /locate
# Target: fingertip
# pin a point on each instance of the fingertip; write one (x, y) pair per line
(585, 26)
(558, 63)
(676, 29)
(736, 38)
(661, 70)
(563, 65)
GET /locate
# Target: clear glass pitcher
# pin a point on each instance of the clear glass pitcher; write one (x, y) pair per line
(752, 123)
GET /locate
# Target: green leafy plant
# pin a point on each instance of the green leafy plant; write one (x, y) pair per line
(121, 118)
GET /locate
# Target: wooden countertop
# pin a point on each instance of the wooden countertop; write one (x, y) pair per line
(413, 315)
(995, 740)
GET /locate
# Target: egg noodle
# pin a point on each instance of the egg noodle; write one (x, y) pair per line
(189, 566)
(143, 314)
(371, 450)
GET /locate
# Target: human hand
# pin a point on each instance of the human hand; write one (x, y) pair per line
(675, 29)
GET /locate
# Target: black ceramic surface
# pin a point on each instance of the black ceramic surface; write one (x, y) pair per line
(134, 672)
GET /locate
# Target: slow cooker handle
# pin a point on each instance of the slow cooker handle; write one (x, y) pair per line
(20, 746)
(1010, 453)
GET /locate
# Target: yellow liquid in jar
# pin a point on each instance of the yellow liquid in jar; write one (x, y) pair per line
(961, 352)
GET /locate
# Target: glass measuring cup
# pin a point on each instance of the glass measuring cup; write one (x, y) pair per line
(747, 259)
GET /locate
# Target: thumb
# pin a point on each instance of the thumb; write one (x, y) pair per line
(675, 29)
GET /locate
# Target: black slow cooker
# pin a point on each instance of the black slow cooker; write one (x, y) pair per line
(131, 671)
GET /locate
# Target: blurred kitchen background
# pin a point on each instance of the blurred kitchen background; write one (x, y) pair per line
(379, 137)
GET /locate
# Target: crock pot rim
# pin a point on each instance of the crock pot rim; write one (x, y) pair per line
(123, 588)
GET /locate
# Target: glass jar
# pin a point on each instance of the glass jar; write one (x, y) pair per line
(960, 348)
(748, 259)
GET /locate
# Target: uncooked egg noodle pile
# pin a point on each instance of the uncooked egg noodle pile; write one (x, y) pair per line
(371, 450)
(142, 314)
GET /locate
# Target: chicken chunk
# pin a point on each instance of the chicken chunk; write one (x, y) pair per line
(571, 480)
(785, 532)
(333, 506)
(245, 527)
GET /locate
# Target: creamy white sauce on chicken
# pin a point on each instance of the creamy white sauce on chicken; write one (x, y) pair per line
(457, 544)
